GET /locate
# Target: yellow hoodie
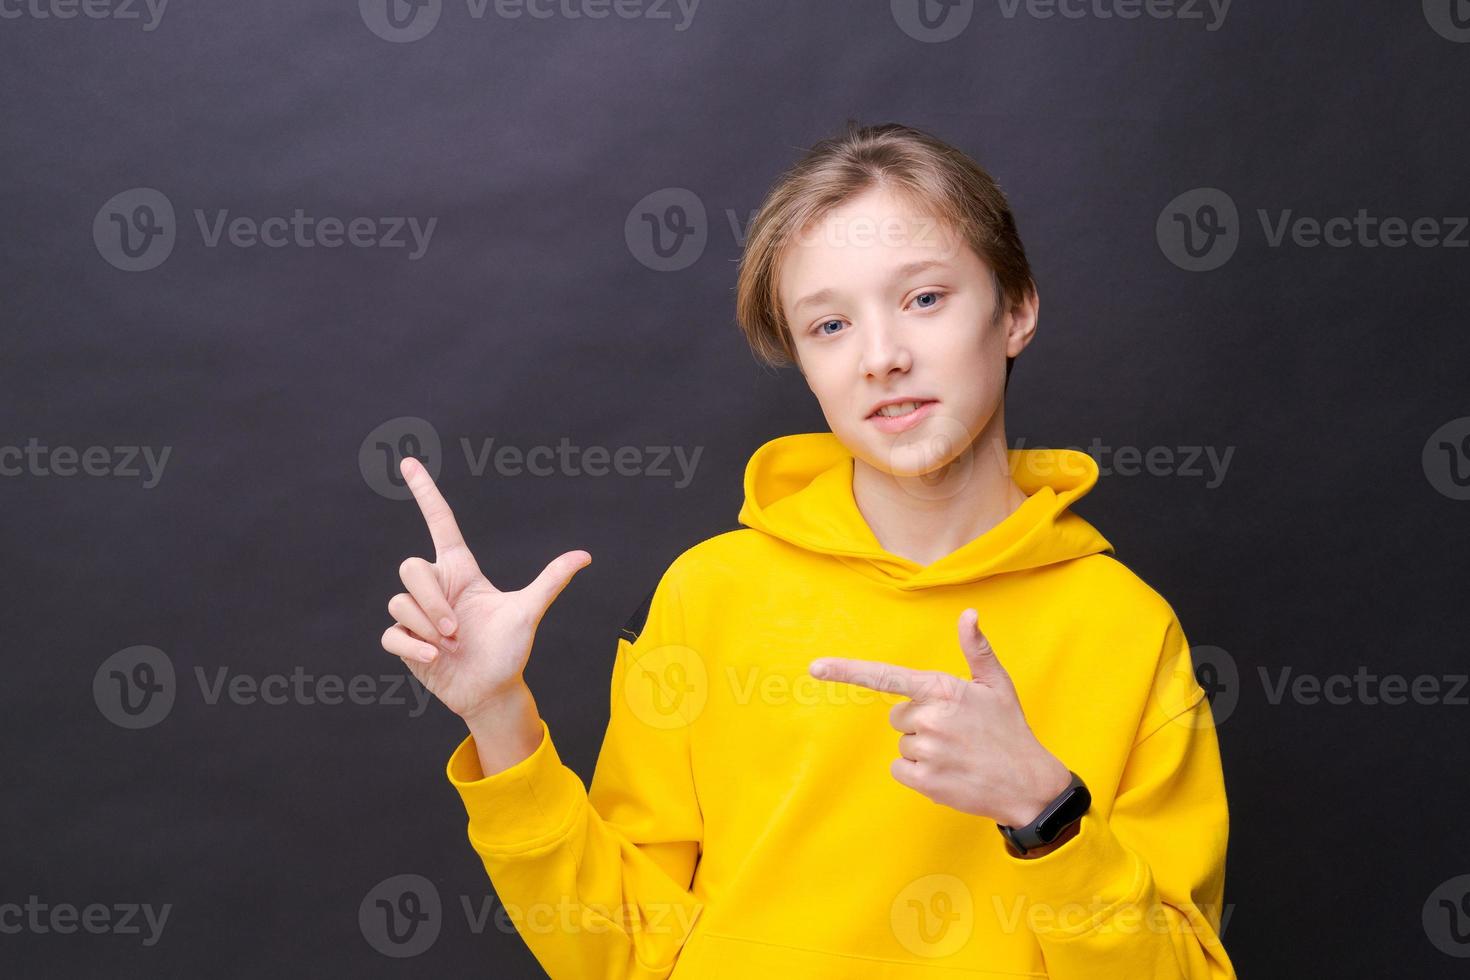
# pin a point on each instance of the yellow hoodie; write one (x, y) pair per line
(742, 822)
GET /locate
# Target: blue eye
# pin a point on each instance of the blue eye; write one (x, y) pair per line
(936, 293)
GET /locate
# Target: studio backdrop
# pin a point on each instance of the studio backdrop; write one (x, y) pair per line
(254, 253)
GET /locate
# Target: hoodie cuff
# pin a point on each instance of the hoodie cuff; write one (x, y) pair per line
(1077, 887)
(524, 807)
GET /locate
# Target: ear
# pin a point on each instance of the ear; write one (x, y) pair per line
(1021, 322)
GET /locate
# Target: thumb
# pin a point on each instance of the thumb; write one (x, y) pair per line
(985, 667)
(553, 578)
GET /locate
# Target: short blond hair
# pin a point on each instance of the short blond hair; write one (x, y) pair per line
(936, 177)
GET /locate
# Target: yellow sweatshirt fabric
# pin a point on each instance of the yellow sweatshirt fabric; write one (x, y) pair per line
(742, 822)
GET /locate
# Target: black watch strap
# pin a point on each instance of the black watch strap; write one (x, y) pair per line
(1055, 817)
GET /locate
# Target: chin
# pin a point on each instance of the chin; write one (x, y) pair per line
(921, 461)
(940, 448)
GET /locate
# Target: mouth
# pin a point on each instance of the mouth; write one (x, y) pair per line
(904, 415)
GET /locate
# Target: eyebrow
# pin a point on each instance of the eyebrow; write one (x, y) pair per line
(902, 272)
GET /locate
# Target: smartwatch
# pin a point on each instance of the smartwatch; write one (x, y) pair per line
(1056, 817)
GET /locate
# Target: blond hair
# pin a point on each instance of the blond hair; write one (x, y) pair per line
(932, 175)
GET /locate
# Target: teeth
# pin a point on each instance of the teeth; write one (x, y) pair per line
(902, 408)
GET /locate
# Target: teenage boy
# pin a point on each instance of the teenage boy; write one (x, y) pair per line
(912, 719)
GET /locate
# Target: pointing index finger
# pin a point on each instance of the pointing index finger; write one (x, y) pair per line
(442, 527)
(872, 674)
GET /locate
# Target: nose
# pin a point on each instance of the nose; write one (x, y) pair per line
(884, 349)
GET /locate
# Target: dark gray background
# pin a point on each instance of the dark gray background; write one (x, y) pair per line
(1327, 546)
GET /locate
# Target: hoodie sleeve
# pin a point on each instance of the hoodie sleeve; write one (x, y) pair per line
(1138, 892)
(597, 882)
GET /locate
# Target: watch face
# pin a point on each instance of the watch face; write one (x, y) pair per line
(1071, 807)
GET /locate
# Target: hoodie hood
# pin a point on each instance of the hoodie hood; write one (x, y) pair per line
(798, 488)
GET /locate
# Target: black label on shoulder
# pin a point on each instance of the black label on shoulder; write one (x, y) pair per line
(634, 626)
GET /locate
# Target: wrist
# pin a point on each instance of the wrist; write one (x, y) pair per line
(1047, 787)
(506, 729)
(493, 711)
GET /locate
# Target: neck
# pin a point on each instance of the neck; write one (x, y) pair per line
(924, 518)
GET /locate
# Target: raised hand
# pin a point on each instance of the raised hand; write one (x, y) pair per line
(464, 639)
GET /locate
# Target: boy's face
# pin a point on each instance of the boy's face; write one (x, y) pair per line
(883, 327)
